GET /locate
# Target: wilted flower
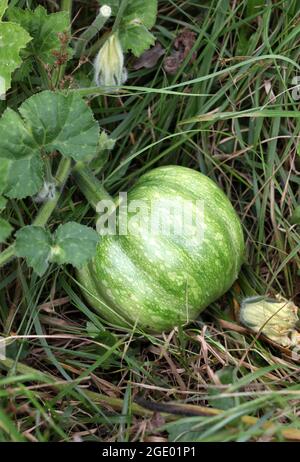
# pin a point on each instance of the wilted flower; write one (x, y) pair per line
(47, 193)
(109, 63)
(275, 318)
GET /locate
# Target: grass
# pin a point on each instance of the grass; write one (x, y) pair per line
(231, 114)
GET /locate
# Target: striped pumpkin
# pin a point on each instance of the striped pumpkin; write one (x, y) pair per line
(158, 281)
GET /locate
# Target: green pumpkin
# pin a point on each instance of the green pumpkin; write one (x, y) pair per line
(161, 281)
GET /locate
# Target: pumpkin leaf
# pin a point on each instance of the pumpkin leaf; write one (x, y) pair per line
(34, 244)
(44, 28)
(142, 12)
(136, 10)
(5, 229)
(13, 38)
(45, 122)
(70, 243)
(4, 166)
(62, 122)
(74, 244)
(20, 153)
(3, 203)
(136, 37)
(138, 17)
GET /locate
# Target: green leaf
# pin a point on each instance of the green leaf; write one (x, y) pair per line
(74, 243)
(3, 203)
(3, 7)
(20, 152)
(47, 121)
(71, 243)
(4, 168)
(44, 29)
(34, 244)
(226, 377)
(141, 12)
(5, 230)
(136, 37)
(139, 16)
(12, 39)
(295, 218)
(62, 122)
(24, 70)
(136, 11)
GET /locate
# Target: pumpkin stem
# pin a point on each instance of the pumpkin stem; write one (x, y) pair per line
(103, 15)
(89, 185)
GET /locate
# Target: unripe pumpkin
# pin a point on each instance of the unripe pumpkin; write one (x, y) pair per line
(161, 281)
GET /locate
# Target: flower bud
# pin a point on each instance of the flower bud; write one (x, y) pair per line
(109, 63)
(105, 11)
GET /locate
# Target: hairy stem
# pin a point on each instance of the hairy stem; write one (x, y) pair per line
(66, 5)
(48, 207)
(91, 31)
(89, 185)
(121, 10)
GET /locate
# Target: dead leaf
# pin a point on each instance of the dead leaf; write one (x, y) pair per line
(172, 63)
(183, 44)
(150, 57)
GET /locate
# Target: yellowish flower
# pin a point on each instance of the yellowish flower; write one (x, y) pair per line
(109, 63)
